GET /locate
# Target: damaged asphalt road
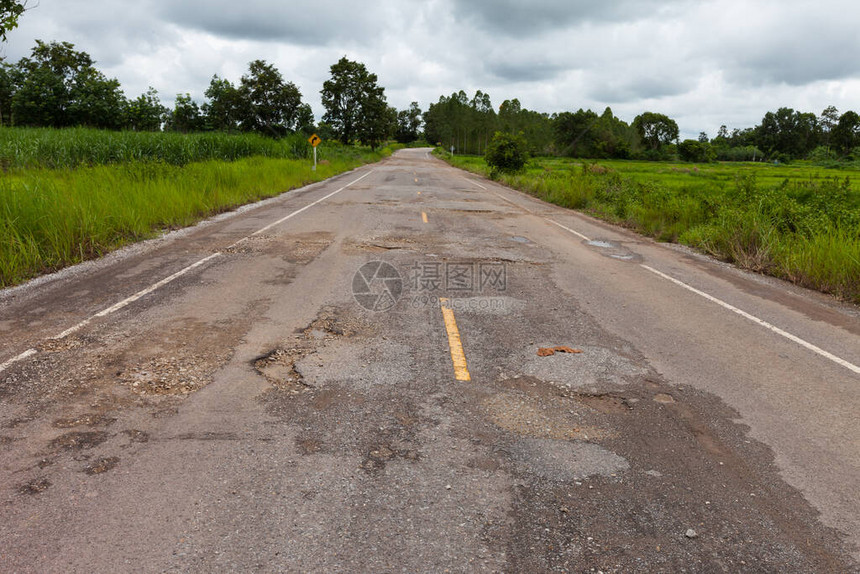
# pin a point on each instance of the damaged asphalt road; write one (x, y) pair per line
(271, 410)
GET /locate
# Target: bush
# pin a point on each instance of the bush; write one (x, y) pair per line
(695, 151)
(507, 153)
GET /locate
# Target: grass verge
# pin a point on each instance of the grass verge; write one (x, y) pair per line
(52, 218)
(798, 223)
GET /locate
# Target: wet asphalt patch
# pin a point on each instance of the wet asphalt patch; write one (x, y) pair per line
(614, 250)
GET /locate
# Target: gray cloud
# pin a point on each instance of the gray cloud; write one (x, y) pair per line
(525, 71)
(515, 17)
(702, 62)
(304, 22)
(613, 91)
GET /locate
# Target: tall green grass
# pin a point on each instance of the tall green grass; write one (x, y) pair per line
(75, 147)
(799, 223)
(51, 218)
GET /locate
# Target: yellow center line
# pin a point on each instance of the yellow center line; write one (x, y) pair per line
(424, 217)
(458, 357)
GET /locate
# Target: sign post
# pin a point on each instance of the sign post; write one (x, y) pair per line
(315, 141)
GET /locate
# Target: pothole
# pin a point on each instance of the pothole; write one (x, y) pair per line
(101, 465)
(379, 245)
(307, 446)
(613, 250)
(168, 375)
(279, 368)
(664, 399)
(602, 244)
(330, 324)
(378, 456)
(65, 344)
(35, 486)
(136, 436)
(252, 244)
(564, 461)
(89, 420)
(606, 404)
(78, 440)
(307, 248)
(531, 418)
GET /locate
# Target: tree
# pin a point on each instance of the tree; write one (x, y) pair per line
(96, 101)
(223, 106)
(827, 121)
(378, 122)
(10, 11)
(585, 134)
(7, 91)
(355, 105)
(787, 132)
(696, 151)
(268, 104)
(408, 124)
(145, 113)
(456, 121)
(655, 130)
(846, 134)
(305, 119)
(47, 84)
(574, 132)
(507, 153)
(186, 115)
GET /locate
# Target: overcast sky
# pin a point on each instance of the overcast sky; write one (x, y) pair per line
(704, 63)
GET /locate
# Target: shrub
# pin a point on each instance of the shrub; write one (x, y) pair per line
(507, 153)
(695, 151)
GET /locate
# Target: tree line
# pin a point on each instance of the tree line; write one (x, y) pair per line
(467, 125)
(58, 86)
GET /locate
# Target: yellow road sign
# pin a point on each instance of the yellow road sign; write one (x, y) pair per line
(314, 140)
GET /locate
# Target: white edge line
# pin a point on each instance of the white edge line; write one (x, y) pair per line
(133, 298)
(503, 198)
(166, 280)
(765, 324)
(577, 233)
(155, 286)
(21, 357)
(293, 214)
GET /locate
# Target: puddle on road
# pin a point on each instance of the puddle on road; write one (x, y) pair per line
(602, 244)
(614, 250)
(520, 239)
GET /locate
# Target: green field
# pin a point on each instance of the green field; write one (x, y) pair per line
(799, 222)
(71, 195)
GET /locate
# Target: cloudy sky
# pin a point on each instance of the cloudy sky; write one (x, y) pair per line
(702, 62)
